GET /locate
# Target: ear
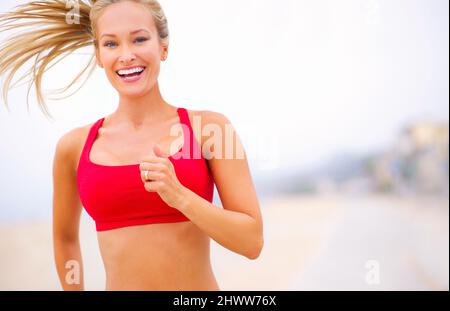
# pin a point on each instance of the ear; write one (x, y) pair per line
(164, 51)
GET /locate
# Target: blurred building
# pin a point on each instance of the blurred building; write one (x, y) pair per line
(417, 163)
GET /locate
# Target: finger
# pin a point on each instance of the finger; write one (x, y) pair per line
(151, 176)
(153, 159)
(164, 165)
(146, 166)
(158, 152)
(153, 186)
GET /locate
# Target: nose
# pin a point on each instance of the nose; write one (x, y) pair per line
(127, 55)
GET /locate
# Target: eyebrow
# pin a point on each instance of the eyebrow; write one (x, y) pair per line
(131, 33)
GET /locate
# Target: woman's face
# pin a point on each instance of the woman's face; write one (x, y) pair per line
(127, 37)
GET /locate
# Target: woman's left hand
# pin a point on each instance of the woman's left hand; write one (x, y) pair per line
(162, 178)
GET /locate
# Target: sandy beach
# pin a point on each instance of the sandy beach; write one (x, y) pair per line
(311, 243)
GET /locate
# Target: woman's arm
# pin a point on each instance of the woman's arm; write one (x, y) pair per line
(238, 226)
(66, 214)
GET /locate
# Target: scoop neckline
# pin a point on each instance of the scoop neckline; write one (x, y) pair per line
(100, 122)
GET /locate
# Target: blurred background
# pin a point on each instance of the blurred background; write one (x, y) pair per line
(342, 107)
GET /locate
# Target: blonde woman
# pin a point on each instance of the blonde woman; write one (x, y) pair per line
(148, 191)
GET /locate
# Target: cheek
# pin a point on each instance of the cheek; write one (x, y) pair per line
(151, 58)
(149, 54)
(107, 60)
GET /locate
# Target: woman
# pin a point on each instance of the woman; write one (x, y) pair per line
(149, 193)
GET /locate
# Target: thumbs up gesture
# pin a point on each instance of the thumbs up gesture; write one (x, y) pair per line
(158, 175)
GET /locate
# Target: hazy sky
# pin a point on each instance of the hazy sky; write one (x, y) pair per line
(300, 80)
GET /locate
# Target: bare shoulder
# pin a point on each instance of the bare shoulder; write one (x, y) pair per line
(69, 145)
(214, 117)
(193, 113)
(206, 117)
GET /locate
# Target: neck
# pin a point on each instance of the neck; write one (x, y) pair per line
(136, 111)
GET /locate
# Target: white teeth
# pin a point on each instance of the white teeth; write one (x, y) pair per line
(127, 72)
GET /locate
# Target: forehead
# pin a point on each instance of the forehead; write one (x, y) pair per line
(123, 17)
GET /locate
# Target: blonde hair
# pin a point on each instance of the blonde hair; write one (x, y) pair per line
(52, 32)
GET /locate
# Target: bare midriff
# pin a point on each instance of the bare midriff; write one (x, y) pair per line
(166, 256)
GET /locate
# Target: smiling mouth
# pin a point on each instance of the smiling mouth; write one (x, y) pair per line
(130, 75)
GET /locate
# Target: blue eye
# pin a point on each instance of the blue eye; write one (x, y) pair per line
(108, 44)
(141, 39)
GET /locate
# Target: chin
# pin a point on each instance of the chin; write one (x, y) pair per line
(134, 91)
(138, 90)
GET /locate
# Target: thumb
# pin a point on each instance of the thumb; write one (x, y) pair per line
(158, 152)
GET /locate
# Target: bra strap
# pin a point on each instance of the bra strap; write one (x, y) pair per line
(91, 137)
(194, 146)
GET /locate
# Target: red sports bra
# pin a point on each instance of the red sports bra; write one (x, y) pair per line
(115, 197)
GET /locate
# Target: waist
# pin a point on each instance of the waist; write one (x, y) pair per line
(168, 278)
(172, 256)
